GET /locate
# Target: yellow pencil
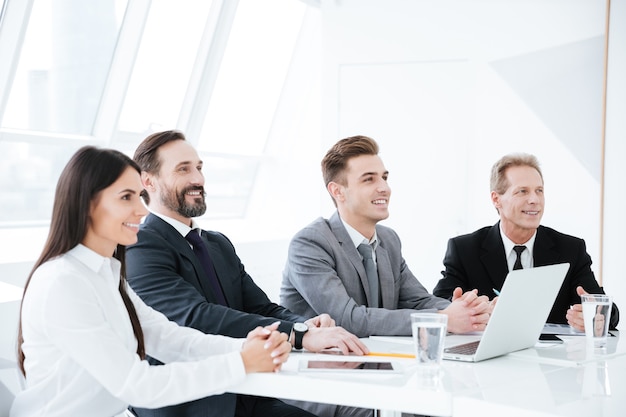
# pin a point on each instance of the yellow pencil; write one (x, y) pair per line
(393, 355)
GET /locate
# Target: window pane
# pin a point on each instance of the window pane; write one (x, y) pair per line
(251, 76)
(164, 63)
(63, 65)
(28, 177)
(228, 183)
(2, 4)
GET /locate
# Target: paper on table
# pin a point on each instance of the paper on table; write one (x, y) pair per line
(403, 340)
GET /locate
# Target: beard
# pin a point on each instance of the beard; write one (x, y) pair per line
(176, 202)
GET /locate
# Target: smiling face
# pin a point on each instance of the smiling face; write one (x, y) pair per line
(115, 214)
(521, 205)
(363, 198)
(177, 191)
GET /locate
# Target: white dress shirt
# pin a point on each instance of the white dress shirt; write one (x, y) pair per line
(180, 227)
(527, 255)
(80, 348)
(358, 238)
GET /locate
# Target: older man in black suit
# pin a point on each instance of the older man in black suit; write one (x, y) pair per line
(482, 259)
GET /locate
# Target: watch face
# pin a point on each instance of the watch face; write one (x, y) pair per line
(300, 327)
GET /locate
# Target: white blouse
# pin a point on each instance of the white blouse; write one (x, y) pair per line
(80, 347)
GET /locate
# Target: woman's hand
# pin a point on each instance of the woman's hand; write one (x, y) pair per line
(265, 349)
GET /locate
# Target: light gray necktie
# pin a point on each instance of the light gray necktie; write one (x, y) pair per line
(370, 269)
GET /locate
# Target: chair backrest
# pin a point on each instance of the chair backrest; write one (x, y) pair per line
(6, 399)
(12, 279)
(11, 382)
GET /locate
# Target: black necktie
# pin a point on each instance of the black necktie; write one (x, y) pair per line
(199, 248)
(370, 269)
(518, 261)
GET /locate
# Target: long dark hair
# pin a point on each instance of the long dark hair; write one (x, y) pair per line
(87, 173)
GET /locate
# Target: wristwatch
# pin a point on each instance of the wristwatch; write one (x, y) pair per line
(299, 329)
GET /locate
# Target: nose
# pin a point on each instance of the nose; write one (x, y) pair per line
(140, 208)
(383, 187)
(197, 178)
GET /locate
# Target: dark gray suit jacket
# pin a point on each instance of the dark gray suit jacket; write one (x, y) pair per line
(164, 271)
(477, 260)
(325, 274)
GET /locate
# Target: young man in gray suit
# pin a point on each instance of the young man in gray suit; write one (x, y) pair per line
(219, 297)
(483, 259)
(325, 269)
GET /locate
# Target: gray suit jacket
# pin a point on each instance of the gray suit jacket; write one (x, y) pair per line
(325, 274)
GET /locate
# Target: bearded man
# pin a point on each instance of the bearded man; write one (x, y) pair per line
(196, 279)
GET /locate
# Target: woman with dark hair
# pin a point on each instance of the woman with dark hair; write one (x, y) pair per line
(84, 334)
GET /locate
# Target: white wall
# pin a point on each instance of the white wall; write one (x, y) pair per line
(449, 86)
(614, 274)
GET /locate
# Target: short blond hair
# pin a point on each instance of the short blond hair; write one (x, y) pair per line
(499, 182)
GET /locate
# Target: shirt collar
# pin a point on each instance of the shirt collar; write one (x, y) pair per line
(508, 243)
(180, 227)
(357, 238)
(95, 261)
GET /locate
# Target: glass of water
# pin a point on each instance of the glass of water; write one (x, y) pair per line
(429, 333)
(596, 314)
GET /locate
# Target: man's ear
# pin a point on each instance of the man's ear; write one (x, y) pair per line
(495, 199)
(147, 181)
(336, 191)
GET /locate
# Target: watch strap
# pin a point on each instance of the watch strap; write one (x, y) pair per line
(298, 335)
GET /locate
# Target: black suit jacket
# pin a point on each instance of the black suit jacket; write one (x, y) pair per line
(477, 261)
(164, 271)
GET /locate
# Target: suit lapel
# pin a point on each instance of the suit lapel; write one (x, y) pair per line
(351, 252)
(543, 249)
(493, 256)
(221, 268)
(184, 250)
(172, 236)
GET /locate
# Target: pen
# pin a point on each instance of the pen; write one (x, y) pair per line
(393, 355)
(496, 292)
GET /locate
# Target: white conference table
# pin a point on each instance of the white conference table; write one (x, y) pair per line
(548, 380)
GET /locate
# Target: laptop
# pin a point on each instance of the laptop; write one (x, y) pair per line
(517, 319)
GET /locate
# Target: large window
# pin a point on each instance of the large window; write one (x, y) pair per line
(109, 73)
(53, 99)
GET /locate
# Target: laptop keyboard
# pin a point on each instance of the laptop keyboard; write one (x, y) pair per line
(464, 349)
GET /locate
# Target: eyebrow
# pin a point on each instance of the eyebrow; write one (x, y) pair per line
(527, 187)
(128, 190)
(365, 174)
(200, 162)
